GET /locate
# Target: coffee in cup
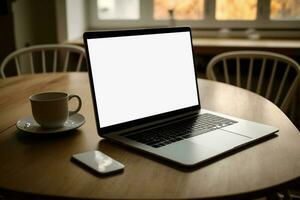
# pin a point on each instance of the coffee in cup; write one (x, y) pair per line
(50, 109)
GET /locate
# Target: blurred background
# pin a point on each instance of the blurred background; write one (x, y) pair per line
(217, 25)
(30, 22)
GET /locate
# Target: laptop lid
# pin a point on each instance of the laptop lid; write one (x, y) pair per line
(140, 76)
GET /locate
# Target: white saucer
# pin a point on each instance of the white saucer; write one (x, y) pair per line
(28, 124)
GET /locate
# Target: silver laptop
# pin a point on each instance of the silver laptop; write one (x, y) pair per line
(145, 95)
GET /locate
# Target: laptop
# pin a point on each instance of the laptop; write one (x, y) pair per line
(145, 95)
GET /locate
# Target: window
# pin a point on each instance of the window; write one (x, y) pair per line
(180, 9)
(236, 10)
(118, 9)
(210, 14)
(285, 10)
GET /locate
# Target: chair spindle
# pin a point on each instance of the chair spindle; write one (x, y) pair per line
(261, 76)
(249, 79)
(17, 66)
(43, 61)
(284, 104)
(226, 71)
(238, 72)
(79, 63)
(66, 61)
(54, 61)
(31, 63)
(281, 85)
(270, 85)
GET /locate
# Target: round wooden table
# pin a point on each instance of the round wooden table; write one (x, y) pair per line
(40, 165)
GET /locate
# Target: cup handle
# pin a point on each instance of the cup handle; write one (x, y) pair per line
(79, 104)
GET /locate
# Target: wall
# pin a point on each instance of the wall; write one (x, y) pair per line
(7, 40)
(48, 21)
(34, 22)
(76, 18)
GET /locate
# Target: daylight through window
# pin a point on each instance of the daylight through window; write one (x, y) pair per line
(263, 14)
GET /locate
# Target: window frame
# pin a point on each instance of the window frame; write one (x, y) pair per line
(262, 21)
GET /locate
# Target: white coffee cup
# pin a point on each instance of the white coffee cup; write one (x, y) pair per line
(50, 109)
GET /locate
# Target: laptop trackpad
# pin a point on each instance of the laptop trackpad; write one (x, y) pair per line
(220, 140)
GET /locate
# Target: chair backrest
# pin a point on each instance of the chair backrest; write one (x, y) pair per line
(271, 75)
(44, 59)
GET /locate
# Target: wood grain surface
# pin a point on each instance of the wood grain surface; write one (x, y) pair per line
(40, 165)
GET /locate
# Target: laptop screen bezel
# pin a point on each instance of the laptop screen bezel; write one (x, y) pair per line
(137, 122)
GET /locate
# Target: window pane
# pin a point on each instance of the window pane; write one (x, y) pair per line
(236, 9)
(118, 9)
(285, 9)
(182, 9)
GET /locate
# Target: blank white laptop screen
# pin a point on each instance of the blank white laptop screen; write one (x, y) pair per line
(143, 75)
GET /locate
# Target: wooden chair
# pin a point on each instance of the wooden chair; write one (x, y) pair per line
(43, 59)
(271, 75)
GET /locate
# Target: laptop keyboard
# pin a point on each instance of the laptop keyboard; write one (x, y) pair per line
(181, 130)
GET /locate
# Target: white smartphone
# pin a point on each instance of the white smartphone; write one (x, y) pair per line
(99, 162)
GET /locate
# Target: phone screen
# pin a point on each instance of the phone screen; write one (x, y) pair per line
(99, 162)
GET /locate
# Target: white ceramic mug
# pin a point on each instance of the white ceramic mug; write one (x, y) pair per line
(50, 109)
